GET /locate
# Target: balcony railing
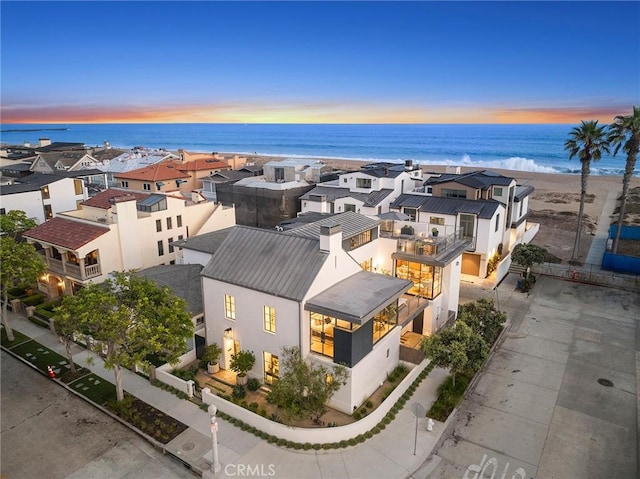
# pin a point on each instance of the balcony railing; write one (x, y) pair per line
(73, 270)
(431, 245)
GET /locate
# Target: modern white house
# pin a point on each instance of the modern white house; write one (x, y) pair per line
(119, 230)
(43, 196)
(489, 209)
(335, 288)
(368, 191)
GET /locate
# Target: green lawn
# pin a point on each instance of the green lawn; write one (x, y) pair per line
(95, 388)
(18, 338)
(41, 357)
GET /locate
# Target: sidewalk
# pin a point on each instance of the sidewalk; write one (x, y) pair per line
(389, 454)
(599, 242)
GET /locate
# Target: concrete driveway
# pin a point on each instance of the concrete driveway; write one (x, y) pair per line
(558, 399)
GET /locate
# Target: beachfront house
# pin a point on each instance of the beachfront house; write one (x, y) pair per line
(118, 230)
(368, 191)
(42, 196)
(489, 209)
(334, 287)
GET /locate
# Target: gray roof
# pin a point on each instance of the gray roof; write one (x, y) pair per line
(182, 279)
(31, 182)
(369, 199)
(352, 225)
(447, 206)
(475, 179)
(205, 243)
(522, 191)
(359, 297)
(267, 261)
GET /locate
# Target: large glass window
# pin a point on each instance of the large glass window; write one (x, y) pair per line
(467, 223)
(349, 207)
(77, 184)
(412, 213)
(269, 316)
(425, 278)
(271, 367)
(363, 182)
(45, 193)
(361, 239)
(453, 193)
(366, 264)
(322, 328)
(384, 321)
(229, 307)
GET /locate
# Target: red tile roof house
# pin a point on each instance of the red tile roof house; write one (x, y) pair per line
(169, 177)
(118, 230)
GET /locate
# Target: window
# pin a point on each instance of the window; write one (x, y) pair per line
(521, 207)
(3, 211)
(497, 222)
(229, 307)
(366, 264)
(48, 214)
(179, 221)
(467, 223)
(169, 225)
(435, 220)
(348, 207)
(344, 180)
(363, 182)
(160, 248)
(269, 315)
(158, 226)
(359, 240)
(77, 184)
(412, 213)
(279, 174)
(271, 367)
(497, 191)
(124, 184)
(170, 243)
(45, 193)
(180, 237)
(146, 186)
(452, 193)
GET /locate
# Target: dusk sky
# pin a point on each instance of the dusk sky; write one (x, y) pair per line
(319, 62)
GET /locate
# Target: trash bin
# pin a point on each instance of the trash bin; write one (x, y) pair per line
(519, 284)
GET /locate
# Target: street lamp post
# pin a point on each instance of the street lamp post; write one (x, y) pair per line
(215, 464)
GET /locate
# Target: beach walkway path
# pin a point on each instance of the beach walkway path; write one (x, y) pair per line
(599, 243)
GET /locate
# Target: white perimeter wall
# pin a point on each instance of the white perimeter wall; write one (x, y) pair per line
(30, 202)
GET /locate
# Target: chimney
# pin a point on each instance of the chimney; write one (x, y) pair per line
(43, 142)
(408, 165)
(107, 145)
(330, 237)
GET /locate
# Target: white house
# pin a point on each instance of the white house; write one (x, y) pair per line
(320, 287)
(118, 230)
(368, 191)
(43, 196)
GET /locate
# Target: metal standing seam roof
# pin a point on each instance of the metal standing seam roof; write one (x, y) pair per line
(474, 179)
(205, 243)
(183, 279)
(267, 261)
(33, 182)
(369, 199)
(447, 206)
(357, 298)
(352, 225)
(522, 191)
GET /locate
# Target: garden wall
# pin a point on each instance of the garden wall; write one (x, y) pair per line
(163, 374)
(316, 435)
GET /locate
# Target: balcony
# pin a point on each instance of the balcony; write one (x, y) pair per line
(433, 247)
(73, 270)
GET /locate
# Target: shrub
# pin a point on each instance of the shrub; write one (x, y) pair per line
(368, 404)
(238, 392)
(357, 415)
(253, 384)
(253, 406)
(33, 300)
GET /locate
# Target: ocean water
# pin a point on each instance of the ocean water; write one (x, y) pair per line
(537, 148)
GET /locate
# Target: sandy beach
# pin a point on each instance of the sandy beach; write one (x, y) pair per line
(554, 204)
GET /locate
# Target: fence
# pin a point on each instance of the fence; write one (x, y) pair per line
(315, 435)
(589, 273)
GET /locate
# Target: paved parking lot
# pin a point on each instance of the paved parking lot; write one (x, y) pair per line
(48, 432)
(558, 399)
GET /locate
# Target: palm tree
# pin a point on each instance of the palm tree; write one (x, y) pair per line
(625, 132)
(588, 141)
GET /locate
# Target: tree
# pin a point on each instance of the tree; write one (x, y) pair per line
(305, 387)
(483, 319)
(458, 348)
(527, 255)
(624, 133)
(588, 141)
(15, 222)
(130, 317)
(20, 267)
(242, 362)
(66, 326)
